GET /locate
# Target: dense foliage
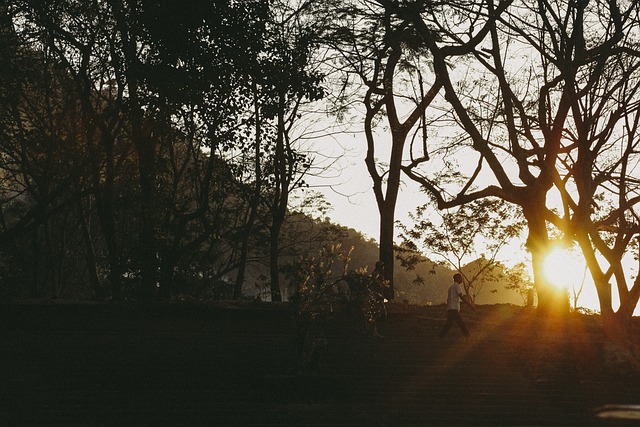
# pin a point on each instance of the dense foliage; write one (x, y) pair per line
(146, 147)
(154, 148)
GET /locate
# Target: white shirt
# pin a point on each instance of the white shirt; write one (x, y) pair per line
(453, 297)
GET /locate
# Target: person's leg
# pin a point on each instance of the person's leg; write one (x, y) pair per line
(447, 325)
(461, 324)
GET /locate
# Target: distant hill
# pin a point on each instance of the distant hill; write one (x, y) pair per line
(426, 284)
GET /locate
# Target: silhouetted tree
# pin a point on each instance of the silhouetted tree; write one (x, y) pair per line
(520, 112)
(289, 81)
(476, 232)
(382, 53)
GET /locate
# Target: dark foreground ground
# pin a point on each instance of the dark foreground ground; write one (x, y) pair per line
(186, 364)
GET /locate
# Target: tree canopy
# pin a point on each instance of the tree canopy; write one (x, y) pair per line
(170, 132)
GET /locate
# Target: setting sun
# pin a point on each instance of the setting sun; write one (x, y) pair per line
(562, 268)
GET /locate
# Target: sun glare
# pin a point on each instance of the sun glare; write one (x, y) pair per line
(562, 269)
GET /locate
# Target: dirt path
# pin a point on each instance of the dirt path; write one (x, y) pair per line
(70, 364)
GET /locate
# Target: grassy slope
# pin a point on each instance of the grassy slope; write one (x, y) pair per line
(168, 364)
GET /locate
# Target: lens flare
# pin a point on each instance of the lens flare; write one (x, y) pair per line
(562, 269)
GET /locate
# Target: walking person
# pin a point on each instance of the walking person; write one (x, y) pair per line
(454, 296)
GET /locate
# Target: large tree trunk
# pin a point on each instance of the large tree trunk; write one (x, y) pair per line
(387, 209)
(145, 144)
(274, 265)
(603, 289)
(629, 303)
(387, 224)
(600, 279)
(282, 173)
(628, 295)
(35, 264)
(144, 147)
(254, 202)
(104, 204)
(147, 237)
(168, 259)
(242, 265)
(90, 254)
(550, 300)
(387, 199)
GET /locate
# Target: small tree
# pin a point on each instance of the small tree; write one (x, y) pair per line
(288, 81)
(519, 281)
(473, 232)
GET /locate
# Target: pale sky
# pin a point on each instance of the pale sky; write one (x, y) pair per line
(348, 187)
(349, 190)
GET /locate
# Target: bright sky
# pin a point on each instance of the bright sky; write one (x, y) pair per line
(348, 189)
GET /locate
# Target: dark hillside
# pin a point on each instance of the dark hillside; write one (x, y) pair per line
(168, 364)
